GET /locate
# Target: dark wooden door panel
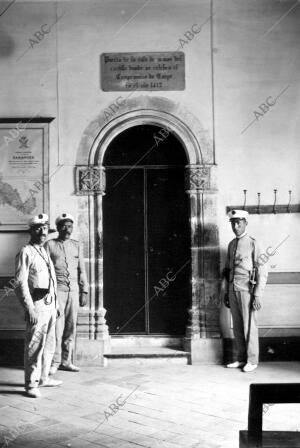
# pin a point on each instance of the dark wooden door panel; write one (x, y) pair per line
(168, 251)
(145, 233)
(123, 245)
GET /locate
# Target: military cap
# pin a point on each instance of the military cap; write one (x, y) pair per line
(38, 220)
(64, 217)
(237, 214)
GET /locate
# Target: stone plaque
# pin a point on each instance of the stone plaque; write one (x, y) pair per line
(143, 71)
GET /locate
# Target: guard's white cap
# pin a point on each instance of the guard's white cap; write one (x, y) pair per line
(38, 220)
(237, 214)
(64, 217)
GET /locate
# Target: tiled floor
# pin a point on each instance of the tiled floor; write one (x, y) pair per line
(122, 406)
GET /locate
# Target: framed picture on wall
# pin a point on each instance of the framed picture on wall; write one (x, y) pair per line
(24, 170)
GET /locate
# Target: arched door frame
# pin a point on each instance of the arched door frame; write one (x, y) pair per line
(146, 116)
(90, 180)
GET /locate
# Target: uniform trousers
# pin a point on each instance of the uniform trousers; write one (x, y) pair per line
(68, 304)
(39, 344)
(244, 327)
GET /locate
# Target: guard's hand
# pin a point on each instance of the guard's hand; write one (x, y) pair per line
(31, 317)
(83, 299)
(226, 301)
(256, 305)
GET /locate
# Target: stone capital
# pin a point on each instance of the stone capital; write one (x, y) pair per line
(90, 180)
(197, 178)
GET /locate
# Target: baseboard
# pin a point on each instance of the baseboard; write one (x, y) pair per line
(12, 352)
(212, 351)
(270, 349)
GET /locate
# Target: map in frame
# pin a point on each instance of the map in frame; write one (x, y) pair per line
(23, 170)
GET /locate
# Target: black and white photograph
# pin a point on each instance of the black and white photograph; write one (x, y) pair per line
(149, 223)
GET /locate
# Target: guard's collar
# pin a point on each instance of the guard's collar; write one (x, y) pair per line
(60, 239)
(36, 244)
(241, 236)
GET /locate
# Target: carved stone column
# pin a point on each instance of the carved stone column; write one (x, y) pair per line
(91, 181)
(101, 330)
(86, 319)
(196, 180)
(203, 312)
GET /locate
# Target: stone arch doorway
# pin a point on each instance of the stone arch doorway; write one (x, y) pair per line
(146, 235)
(202, 331)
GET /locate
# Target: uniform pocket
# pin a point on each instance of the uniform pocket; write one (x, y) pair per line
(36, 269)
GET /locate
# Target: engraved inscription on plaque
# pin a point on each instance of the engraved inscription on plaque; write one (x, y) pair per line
(143, 71)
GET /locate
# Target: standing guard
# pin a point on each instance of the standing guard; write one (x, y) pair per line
(72, 289)
(35, 287)
(246, 279)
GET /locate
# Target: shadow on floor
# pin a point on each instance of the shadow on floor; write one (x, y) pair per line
(13, 392)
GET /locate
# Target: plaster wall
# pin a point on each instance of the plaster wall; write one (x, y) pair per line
(247, 51)
(256, 58)
(60, 75)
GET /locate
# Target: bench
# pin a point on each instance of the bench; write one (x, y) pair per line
(273, 393)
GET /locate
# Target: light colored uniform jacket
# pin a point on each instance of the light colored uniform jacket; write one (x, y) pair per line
(32, 272)
(68, 262)
(242, 255)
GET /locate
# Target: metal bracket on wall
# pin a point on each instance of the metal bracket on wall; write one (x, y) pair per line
(266, 209)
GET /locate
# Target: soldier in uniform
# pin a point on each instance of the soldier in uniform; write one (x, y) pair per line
(246, 278)
(72, 289)
(35, 287)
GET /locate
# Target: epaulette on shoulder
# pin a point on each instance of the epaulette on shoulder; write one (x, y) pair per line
(24, 248)
(74, 241)
(252, 238)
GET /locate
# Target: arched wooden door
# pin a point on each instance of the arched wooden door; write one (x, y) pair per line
(146, 236)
